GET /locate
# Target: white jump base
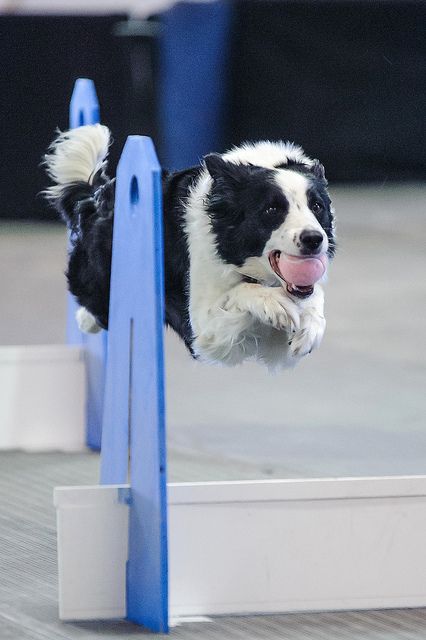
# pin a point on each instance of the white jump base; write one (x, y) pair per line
(253, 547)
(43, 393)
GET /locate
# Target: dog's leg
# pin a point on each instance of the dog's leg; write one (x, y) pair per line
(86, 321)
(312, 325)
(269, 305)
(228, 330)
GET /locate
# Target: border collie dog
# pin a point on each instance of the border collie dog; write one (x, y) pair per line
(226, 224)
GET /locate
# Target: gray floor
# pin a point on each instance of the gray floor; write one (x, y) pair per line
(356, 407)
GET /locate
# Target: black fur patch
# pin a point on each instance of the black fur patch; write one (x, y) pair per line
(89, 213)
(245, 206)
(317, 194)
(176, 256)
(88, 209)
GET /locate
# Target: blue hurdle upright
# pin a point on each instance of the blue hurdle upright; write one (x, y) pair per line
(84, 109)
(134, 413)
(133, 432)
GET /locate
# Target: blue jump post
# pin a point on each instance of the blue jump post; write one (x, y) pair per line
(134, 412)
(84, 109)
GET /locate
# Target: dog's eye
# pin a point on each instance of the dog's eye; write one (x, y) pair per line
(316, 207)
(272, 211)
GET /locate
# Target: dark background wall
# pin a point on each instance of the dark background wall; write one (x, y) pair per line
(344, 79)
(40, 59)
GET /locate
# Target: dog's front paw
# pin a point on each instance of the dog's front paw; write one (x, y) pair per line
(268, 305)
(309, 337)
(271, 306)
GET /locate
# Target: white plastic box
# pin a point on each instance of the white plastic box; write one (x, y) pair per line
(42, 398)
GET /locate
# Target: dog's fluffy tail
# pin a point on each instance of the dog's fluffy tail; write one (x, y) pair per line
(76, 160)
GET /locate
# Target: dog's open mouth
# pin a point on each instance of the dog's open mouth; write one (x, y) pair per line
(300, 291)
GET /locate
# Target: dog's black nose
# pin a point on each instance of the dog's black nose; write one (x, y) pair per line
(311, 240)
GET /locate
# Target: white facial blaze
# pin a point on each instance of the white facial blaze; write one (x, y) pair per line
(299, 218)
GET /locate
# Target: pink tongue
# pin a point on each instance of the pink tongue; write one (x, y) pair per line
(302, 272)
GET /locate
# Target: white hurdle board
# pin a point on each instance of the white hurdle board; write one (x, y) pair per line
(258, 547)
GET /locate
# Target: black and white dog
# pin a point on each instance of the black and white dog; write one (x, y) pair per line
(226, 224)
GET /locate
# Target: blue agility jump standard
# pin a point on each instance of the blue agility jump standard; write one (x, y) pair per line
(134, 411)
(84, 104)
(84, 109)
(126, 389)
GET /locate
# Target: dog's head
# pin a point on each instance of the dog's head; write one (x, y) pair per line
(266, 200)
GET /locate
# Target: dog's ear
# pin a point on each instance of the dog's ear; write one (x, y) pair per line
(219, 168)
(319, 171)
(216, 165)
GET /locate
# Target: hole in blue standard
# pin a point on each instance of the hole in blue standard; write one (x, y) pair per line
(134, 191)
(80, 118)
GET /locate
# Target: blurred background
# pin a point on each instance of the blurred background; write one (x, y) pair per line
(343, 79)
(346, 80)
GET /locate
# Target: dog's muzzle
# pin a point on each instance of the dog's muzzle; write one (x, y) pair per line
(298, 272)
